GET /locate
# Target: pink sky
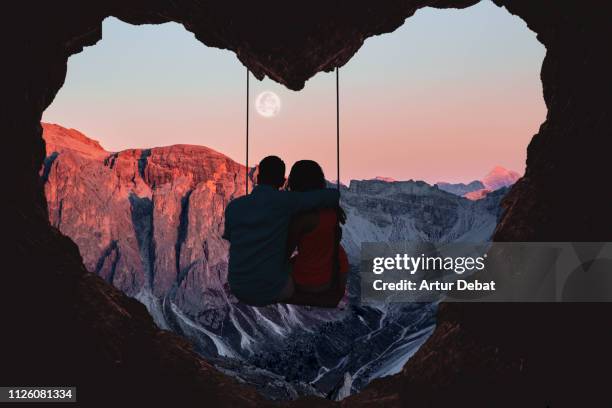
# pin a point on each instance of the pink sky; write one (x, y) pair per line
(448, 96)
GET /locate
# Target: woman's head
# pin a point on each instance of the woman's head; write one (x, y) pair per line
(306, 175)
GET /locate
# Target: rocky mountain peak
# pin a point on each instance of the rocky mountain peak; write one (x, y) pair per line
(500, 177)
(59, 139)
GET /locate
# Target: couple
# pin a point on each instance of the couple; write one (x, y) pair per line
(266, 227)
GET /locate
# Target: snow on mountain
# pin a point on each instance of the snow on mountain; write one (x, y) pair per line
(477, 195)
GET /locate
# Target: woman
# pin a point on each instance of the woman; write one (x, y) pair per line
(316, 236)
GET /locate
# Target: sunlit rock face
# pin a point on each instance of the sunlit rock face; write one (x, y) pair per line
(477, 194)
(146, 220)
(290, 43)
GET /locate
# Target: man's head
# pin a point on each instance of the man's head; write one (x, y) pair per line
(271, 172)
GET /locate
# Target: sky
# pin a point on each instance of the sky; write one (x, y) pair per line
(445, 97)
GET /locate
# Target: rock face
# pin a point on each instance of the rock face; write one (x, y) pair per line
(150, 222)
(145, 220)
(380, 211)
(289, 43)
(477, 194)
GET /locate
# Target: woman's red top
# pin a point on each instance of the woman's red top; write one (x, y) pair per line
(313, 264)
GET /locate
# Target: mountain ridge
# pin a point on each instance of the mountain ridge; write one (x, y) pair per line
(497, 178)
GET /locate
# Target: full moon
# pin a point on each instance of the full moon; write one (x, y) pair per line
(268, 104)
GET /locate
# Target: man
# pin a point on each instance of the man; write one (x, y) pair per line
(256, 226)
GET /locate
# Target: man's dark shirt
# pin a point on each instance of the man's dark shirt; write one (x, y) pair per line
(256, 226)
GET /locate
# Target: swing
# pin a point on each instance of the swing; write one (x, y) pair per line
(332, 296)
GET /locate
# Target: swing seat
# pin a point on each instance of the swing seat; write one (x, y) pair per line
(328, 299)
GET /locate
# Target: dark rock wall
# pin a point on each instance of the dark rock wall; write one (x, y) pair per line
(565, 194)
(62, 325)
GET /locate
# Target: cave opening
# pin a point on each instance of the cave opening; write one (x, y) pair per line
(137, 212)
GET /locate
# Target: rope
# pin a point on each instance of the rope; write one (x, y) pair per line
(336, 257)
(335, 281)
(338, 129)
(247, 132)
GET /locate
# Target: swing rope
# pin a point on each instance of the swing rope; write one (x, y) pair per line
(247, 132)
(337, 130)
(335, 281)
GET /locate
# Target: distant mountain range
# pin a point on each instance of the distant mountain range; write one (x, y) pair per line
(497, 178)
(149, 221)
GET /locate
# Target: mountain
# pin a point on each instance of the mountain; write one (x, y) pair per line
(500, 177)
(379, 211)
(477, 194)
(149, 221)
(497, 178)
(460, 189)
(383, 178)
(58, 139)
